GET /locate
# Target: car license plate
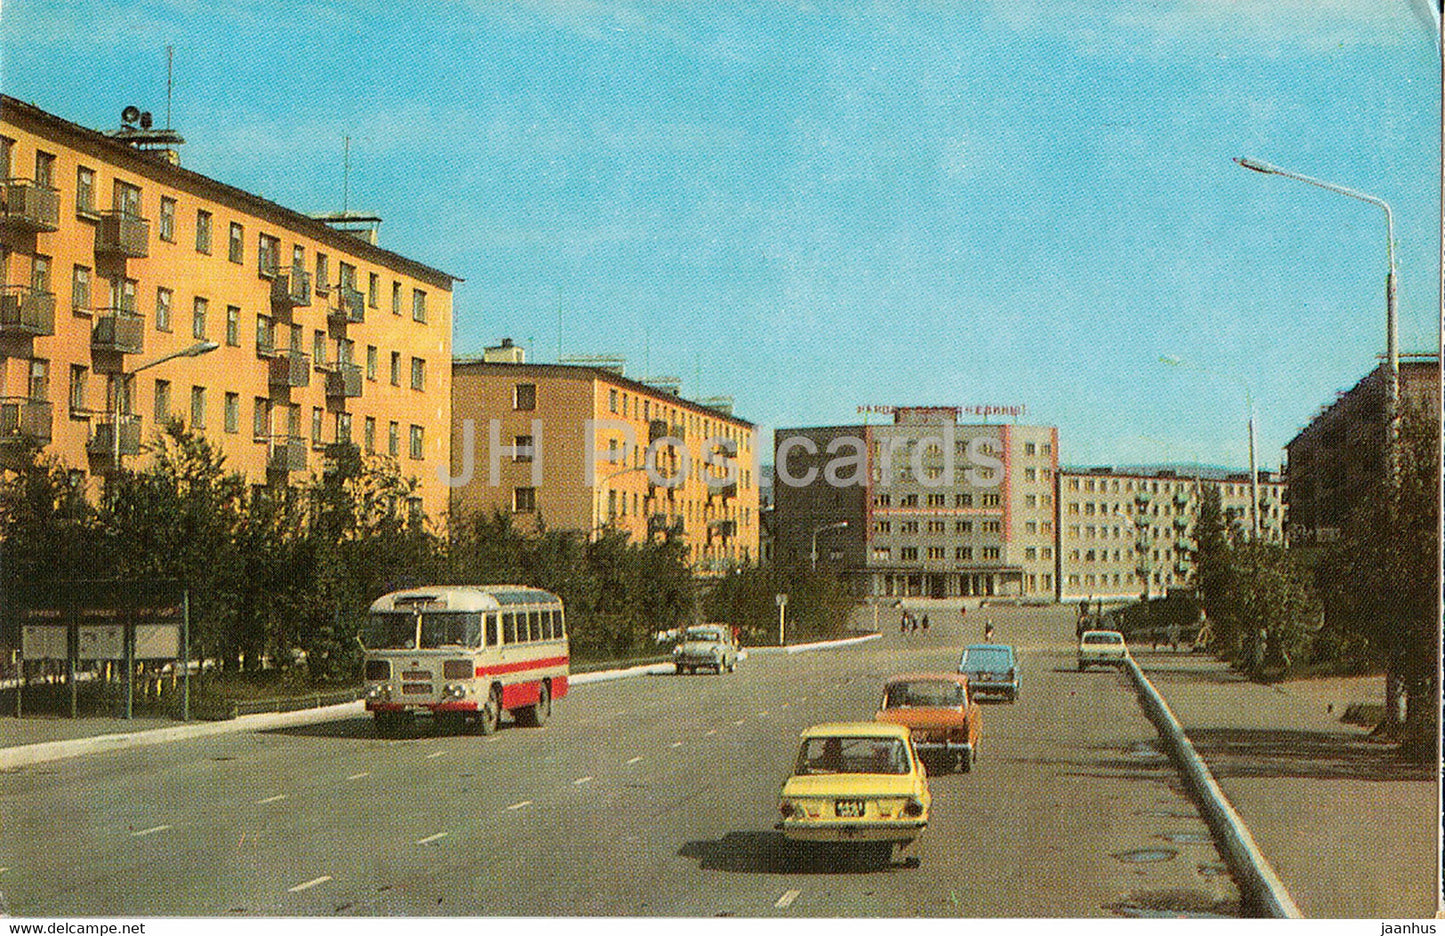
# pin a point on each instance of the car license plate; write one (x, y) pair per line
(849, 808)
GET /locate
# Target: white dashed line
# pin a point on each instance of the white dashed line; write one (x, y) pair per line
(435, 754)
(309, 884)
(677, 744)
(787, 899)
(739, 721)
(581, 780)
(525, 802)
(270, 799)
(635, 759)
(159, 828)
(762, 714)
(432, 838)
(359, 776)
(712, 731)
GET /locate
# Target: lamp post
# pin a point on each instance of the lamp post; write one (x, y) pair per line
(827, 526)
(1392, 348)
(1173, 361)
(601, 486)
(195, 350)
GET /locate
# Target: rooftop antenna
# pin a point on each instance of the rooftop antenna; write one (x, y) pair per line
(559, 323)
(170, 62)
(346, 175)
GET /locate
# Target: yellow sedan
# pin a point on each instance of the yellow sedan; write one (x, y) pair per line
(856, 782)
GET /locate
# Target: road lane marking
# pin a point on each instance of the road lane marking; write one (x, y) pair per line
(783, 706)
(359, 776)
(435, 754)
(309, 884)
(432, 838)
(635, 759)
(712, 731)
(787, 899)
(270, 799)
(739, 721)
(581, 780)
(762, 714)
(159, 828)
(677, 744)
(525, 802)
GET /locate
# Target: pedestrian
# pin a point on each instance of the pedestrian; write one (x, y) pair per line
(988, 632)
(963, 613)
(903, 624)
(925, 623)
(912, 624)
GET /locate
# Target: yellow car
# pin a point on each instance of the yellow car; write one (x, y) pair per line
(856, 782)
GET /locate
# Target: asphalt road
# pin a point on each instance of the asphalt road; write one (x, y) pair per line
(647, 796)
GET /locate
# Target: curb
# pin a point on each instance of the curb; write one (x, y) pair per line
(1260, 886)
(820, 645)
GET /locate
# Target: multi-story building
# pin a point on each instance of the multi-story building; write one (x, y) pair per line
(1123, 534)
(584, 448)
(1335, 460)
(922, 506)
(136, 292)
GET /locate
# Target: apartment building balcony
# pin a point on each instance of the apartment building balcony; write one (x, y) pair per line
(343, 381)
(1181, 498)
(31, 207)
(286, 453)
(291, 289)
(1141, 497)
(350, 307)
(22, 419)
(26, 312)
(1181, 523)
(723, 528)
(114, 434)
(1142, 520)
(123, 234)
(117, 330)
(657, 429)
(290, 369)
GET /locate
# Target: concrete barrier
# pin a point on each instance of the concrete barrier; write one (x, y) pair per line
(1260, 888)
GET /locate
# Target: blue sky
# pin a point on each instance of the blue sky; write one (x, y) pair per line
(813, 206)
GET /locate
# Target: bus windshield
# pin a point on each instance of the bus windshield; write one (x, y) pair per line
(390, 632)
(451, 629)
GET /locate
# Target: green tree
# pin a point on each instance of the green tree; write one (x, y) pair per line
(1214, 573)
(818, 602)
(1276, 611)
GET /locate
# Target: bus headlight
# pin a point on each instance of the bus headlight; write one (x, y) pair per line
(454, 691)
(378, 693)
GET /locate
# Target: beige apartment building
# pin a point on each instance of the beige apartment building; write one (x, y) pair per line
(922, 505)
(1122, 535)
(136, 292)
(585, 448)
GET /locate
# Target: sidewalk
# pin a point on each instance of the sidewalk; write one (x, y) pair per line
(1349, 827)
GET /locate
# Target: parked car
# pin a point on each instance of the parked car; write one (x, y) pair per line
(706, 646)
(858, 783)
(991, 669)
(1102, 648)
(942, 719)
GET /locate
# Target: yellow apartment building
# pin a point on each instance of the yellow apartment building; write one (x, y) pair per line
(137, 292)
(525, 435)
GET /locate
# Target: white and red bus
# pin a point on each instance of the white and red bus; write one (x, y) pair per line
(464, 653)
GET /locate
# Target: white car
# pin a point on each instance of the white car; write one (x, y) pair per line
(1101, 647)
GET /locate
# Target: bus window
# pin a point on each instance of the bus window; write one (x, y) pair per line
(509, 628)
(560, 623)
(549, 624)
(450, 629)
(491, 630)
(393, 631)
(534, 625)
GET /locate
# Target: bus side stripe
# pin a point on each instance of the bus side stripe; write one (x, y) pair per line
(521, 665)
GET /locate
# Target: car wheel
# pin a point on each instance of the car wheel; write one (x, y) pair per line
(490, 715)
(535, 716)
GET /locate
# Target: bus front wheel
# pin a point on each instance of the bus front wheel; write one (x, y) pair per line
(537, 715)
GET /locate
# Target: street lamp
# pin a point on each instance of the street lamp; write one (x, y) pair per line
(195, 350)
(1173, 361)
(1392, 350)
(827, 526)
(601, 486)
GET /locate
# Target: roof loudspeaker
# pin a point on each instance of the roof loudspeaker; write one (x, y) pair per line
(130, 115)
(145, 120)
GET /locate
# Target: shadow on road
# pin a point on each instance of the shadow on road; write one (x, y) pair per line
(771, 853)
(363, 728)
(1316, 755)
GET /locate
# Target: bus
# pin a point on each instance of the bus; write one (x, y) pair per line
(464, 654)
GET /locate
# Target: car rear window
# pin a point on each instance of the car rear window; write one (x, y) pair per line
(985, 660)
(1103, 639)
(933, 693)
(852, 756)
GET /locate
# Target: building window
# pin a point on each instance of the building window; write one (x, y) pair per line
(524, 499)
(990, 552)
(163, 309)
(316, 424)
(343, 427)
(371, 362)
(882, 554)
(268, 255)
(198, 407)
(368, 434)
(80, 289)
(938, 500)
(963, 526)
(935, 552)
(203, 232)
(166, 225)
(373, 288)
(992, 526)
(393, 439)
(908, 500)
(346, 275)
(238, 243)
(612, 401)
(396, 368)
(78, 374)
(522, 448)
(908, 526)
(1029, 448)
(232, 415)
(233, 326)
(963, 553)
(395, 298)
(963, 500)
(909, 553)
(162, 410)
(418, 374)
(524, 396)
(883, 526)
(935, 526)
(198, 318)
(323, 283)
(990, 500)
(418, 305)
(318, 348)
(44, 169)
(84, 191)
(1031, 527)
(261, 419)
(417, 440)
